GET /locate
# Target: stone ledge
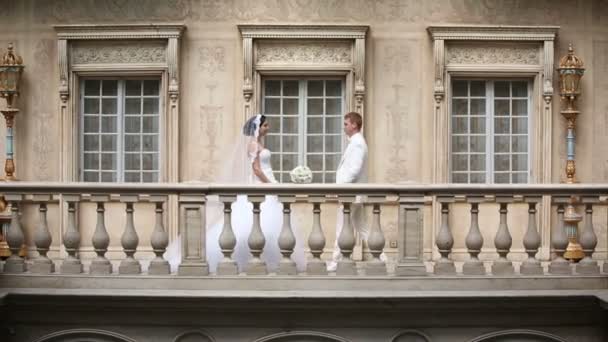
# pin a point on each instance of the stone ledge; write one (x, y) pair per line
(310, 284)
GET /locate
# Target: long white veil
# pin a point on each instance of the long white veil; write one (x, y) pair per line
(236, 169)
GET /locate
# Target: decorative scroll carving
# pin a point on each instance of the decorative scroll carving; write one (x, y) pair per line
(304, 52)
(119, 52)
(467, 54)
(62, 56)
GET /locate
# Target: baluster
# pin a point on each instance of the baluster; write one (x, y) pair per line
(287, 240)
(474, 240)
(376, 240)
(43, 239)
(588, 240)
(100, 239)
(444, 240)
(559, 240)
(129, 239)
(256, 241)
(346, 240)
(227, 240)
(14, 237)
(316, 239)
(159, 239)
(71, 239)
(503, 240)
(531, 265)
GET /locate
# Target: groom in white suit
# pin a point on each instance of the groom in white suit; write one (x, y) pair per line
(352, 169)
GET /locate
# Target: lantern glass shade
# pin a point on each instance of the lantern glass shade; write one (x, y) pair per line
(10, 79)
(570, 80)
(570, 72)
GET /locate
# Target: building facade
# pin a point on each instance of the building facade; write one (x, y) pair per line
(129, 112)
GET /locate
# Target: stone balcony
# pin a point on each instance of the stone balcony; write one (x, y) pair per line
(488, 290)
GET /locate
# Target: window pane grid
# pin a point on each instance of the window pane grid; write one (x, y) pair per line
(492, 144)
(309, 135)
(121, 127)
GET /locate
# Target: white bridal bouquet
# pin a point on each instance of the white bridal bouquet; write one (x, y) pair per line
(301, 175)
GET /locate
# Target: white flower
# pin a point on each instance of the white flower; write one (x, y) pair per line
(301, 175)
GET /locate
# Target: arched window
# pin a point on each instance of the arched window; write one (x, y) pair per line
(519, 335)
(302, 336)
(81, 335)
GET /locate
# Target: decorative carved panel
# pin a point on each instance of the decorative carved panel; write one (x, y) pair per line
(122, 52)
(298, 47)
(304, 53)
(493, 54)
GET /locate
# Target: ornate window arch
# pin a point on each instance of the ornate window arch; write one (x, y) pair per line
(410, 336)
(303, 50)
(76, 335)
(194, 335)
(107, 50)
(523, 335)
(489, 51)
(302, 336)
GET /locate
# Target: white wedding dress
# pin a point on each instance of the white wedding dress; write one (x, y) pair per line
(271, 221)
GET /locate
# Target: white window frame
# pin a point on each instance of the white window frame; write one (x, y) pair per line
(302, 117)
(121, 94)
(489, 124)
(325, 39)
(136, 37)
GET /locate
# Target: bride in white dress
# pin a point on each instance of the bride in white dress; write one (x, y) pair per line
(257, 169)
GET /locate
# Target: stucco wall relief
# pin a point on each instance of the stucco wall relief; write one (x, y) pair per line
(119, 52)
(398, 98)
(493, 54)
(212, 62)
(304, 53)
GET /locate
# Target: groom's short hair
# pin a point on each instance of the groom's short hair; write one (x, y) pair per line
(355, 118)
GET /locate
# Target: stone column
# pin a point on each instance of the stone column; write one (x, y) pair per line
(227, 239)
(71, 238)
(316, 239)
(159, 239)
(531, 266)
(588, 240)
(376, 240)
(474, 240)
(101, 239)
(287, 240)
(444, 239)
(129, 239)
(559, 241)
(43, 238)
(14, 237)
(346, 240)
(503, 240)
(256, 241)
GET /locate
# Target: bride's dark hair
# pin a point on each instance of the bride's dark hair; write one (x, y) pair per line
(251, 125)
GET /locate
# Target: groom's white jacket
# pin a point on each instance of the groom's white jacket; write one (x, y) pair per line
(353, 165)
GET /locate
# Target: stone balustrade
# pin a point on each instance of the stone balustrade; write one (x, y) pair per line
(411, 200)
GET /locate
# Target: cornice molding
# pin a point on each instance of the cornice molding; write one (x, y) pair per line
(256, 31)
(136, 31)
(493, 32)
